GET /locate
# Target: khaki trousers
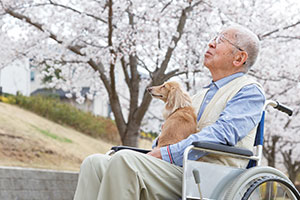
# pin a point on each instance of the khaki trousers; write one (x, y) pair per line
(128, 175)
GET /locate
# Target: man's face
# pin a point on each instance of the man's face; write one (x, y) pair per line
(220, 53)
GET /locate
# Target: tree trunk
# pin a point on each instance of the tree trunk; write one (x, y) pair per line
(293, 167)
(128, 129)
(292, 175)
(130, 138)
(270, 150)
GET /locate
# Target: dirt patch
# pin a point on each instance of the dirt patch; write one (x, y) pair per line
(28, 140)
(24, 151)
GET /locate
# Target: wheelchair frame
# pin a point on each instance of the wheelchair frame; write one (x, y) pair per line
(229, 183)
(208, 181)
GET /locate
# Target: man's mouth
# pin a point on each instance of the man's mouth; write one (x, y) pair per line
(208, 53)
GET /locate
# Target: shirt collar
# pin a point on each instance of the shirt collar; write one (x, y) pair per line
(220, 83)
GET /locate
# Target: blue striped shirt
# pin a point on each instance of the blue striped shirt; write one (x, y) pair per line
(241, 114)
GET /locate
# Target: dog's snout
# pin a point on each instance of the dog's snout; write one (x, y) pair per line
(149, 89)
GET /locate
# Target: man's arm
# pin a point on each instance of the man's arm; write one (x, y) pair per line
(154, 143)
(241, 114)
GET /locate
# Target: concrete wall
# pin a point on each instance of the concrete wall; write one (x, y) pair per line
(32, 184)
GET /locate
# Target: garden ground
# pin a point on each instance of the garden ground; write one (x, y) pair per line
(28, 140)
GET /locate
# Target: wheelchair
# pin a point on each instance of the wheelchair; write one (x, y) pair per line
(208, 181)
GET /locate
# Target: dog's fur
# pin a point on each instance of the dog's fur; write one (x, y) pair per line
(180, 117)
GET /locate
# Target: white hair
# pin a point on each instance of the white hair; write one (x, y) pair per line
(247, 41)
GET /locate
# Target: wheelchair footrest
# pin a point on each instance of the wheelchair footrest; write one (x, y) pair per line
(223, 148)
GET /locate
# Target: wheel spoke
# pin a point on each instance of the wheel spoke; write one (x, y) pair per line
(270, 188)
(276, 190)
(284, 195)
(260, 194)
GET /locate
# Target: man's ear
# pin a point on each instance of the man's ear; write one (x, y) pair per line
(240, 58)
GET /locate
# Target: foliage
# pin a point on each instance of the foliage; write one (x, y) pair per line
(119, 47)
(8, 98)
(4, 99)
(149, 135)
(66, 114)
(109, 48)
(53, 75)
(52, 135)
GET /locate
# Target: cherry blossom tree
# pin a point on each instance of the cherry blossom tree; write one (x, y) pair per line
(120, 47)
(93, 41)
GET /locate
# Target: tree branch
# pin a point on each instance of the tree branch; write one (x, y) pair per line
(144, 65)
(282, 92)
(277, 30)
(158, 75)
(76, 11)
(75, 49)
(288, 37)
(278, 79)
(111, 50)
(124, 66)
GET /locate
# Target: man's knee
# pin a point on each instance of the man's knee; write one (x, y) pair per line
(124, 154)
(93, 160)
(124, 157)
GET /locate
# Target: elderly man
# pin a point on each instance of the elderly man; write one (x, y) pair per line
(229, 109)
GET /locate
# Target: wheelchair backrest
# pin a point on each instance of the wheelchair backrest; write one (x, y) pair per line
(259, 138)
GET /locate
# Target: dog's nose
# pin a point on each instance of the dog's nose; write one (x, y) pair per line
(149, 89)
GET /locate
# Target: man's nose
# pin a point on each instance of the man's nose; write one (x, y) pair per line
(212, 44)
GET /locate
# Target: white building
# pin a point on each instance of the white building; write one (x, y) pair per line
(22, 77)
(16, 78)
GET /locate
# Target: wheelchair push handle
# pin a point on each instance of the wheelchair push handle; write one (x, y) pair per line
(284, 108)
(280, 106)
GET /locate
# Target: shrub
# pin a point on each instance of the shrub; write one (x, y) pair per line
(4, 99)
(63, 113)
(148, 135)
(8, 98)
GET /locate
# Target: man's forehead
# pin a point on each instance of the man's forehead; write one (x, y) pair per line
(230, 32)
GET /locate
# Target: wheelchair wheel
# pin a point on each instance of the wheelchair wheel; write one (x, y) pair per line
(271, 188)
(245, 186)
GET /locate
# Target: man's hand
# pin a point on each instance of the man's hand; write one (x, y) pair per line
(155, 153)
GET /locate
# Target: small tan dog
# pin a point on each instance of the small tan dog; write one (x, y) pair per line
(180, 117)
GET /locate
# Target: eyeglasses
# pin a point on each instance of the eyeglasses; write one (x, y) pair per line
(220, 38)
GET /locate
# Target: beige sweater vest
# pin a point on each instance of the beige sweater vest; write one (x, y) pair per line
(212, 112)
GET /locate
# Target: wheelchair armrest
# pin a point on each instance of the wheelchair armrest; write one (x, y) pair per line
(223, 148)
(118, 148)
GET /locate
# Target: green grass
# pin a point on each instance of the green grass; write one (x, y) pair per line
(65, 114)
(52, 135)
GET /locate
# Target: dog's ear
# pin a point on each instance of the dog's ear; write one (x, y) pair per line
(178, 99)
